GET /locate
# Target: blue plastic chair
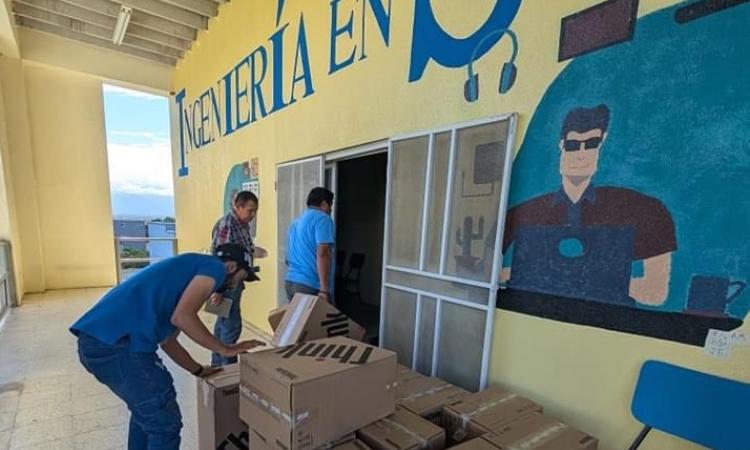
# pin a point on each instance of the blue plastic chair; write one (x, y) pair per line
(702, 408)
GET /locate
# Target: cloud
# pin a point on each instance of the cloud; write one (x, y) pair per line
(110, 89)
(138, 137)
(140, 168)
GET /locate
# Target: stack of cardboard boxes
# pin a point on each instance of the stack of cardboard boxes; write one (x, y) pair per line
(321, 388)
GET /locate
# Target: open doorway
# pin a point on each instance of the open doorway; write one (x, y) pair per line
(360, 187)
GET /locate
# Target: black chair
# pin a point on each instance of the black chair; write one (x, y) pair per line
(350, 282)
(340, 262)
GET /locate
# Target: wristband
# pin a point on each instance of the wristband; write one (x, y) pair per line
(198, 371)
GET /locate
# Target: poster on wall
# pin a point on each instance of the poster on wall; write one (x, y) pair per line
(630, 199)
(243, 177)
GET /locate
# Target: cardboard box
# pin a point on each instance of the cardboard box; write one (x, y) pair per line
(539, 432)
(406, 375)
(259, 442)
(308, 318)
(275, 316)
(403, 430)
(353, 445)
(303, 396)
(219, 424)
(480, 413)
(425, 396)
(473, 444)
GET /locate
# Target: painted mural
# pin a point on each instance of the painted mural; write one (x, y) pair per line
(630, 198)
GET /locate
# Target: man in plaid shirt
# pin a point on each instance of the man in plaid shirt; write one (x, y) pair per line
(234, 228)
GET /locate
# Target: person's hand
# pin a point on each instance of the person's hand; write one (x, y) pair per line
(216, 298)
(259, 252)
(323, 295)
(208, 371)
(241, 347)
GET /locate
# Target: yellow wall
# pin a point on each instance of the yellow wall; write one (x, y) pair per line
(584, 375)
(20, 173)
(70, 161)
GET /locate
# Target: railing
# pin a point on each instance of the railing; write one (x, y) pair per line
(7, 286)
(137, 263)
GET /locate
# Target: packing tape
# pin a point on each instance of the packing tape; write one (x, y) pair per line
(285, 338)
(423, 443)
(539, 438)
(465, 417)
(204, 389)
(272, 409)
(430, 391)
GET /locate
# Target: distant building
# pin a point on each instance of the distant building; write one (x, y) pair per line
(131, 228)
(161, 249)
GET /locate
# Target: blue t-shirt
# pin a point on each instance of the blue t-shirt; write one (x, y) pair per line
(309, 230)
(141, 307)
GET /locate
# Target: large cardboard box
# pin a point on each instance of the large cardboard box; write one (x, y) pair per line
(403, 430)
(303, 396)
(219, 424)
(480, 413)
(425, 396)
(308, 318)
(539, 432)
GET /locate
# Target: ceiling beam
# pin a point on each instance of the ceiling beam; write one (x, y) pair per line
(100, 20)
(168, 12)
(110, 9)
(76, 25)
(55, 30)
(206, 8)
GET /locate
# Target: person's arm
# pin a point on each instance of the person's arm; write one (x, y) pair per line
(185, 318)
(323, 262)
(653, 287)
(221, 234)
(325, 238)
(259, 252)
(182, 358)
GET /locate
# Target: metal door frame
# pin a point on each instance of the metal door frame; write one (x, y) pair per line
(321, 180)
(493, 285)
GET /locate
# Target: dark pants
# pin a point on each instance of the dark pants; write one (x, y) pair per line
(296, 288)
(144, 384)
(228, 329)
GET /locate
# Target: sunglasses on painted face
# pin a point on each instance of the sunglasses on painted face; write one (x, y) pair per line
(572, 145)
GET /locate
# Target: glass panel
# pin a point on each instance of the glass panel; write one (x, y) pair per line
(293, 183)
(436, 209)
(409, 166)
(453, 289)
(461, 342)
(477, 182)
(426, 335)
(400, 316)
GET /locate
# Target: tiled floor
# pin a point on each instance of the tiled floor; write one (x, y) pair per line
(48, 401)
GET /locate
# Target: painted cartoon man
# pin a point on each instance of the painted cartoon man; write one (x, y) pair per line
(579, 203)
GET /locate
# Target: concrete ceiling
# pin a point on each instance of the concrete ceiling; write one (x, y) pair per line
(159, 30)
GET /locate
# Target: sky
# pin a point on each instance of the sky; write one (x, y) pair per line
(138, 146)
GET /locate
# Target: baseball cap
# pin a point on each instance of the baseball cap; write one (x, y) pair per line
(238, 254)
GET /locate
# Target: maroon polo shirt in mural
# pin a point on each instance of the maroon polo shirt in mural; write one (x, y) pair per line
(654, 228)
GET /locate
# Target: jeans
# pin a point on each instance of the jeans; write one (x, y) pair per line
(228, 329)
(296, 288)
(144, 384)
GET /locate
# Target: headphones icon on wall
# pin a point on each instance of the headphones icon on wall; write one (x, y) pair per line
(507, 74)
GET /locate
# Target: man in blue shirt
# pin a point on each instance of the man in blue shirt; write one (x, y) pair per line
(118, 337)
(310, 243)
